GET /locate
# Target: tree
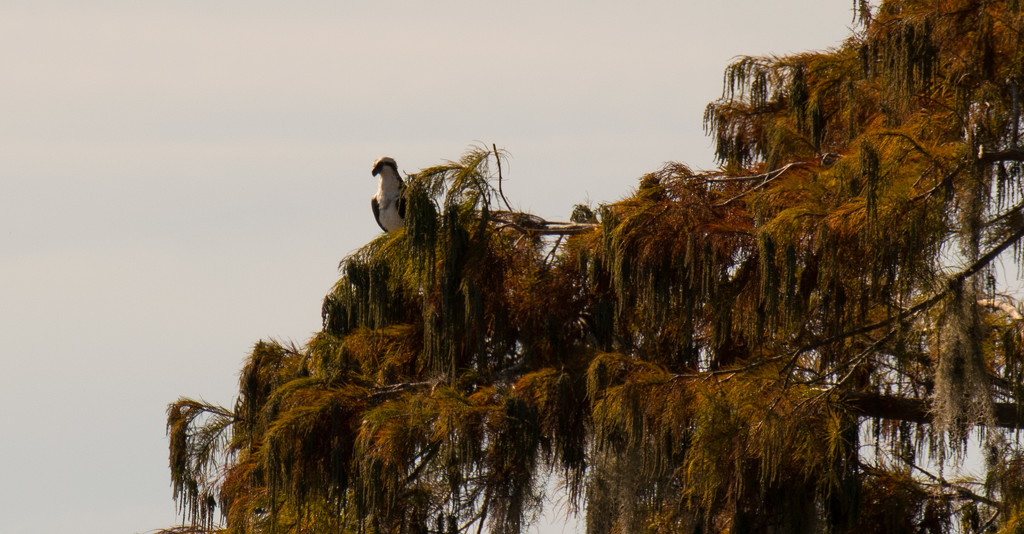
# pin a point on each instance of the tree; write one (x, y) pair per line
(803, 341)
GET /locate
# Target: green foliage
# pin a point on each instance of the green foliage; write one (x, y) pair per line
(792, 344)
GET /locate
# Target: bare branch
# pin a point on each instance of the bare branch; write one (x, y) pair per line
(399, 388)
(768, 178)
(186, 529)
(501, 193)
(1004, 306)
(529, 223)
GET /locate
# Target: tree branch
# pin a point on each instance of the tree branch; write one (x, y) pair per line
(529, 223)
(497, 157)
(1007, 415)
(961, 492)
(1012, 154)
(915, 143)
(953, 282)
(1004, 306)
(399, 388)
(768, 178)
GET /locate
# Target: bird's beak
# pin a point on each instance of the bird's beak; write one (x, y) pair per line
(376, 170)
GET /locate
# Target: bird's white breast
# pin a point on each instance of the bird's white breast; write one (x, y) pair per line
(388, 194)
(389, 217)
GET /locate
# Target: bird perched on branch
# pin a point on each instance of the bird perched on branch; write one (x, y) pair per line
(389, 203)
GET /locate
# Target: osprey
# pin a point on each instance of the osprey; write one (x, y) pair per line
(389, 203)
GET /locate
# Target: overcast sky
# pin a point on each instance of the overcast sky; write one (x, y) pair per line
(180, 179)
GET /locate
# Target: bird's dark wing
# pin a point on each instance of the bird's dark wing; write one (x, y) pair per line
(376, 212)
(401, 207)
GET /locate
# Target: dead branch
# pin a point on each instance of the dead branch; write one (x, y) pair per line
(399, 388)
(768, 177)
(1004, 306)
(531, 224)
(501, 193)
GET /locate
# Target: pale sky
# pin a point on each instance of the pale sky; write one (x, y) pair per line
(179, 179)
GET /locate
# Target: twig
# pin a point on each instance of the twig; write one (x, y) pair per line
(961, 491)
(938, 185)
(1008, 213)
(551, 253)
(990, 522)
(483, 512)
(187, 529)
(732, 371)
(738, 178)
(1014, 111)
(857, 361)
(917, 146)
(427, 456)
(989, 256)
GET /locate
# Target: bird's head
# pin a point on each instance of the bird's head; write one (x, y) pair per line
(384, 162)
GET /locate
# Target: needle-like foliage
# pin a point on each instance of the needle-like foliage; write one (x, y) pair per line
(809, 340)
